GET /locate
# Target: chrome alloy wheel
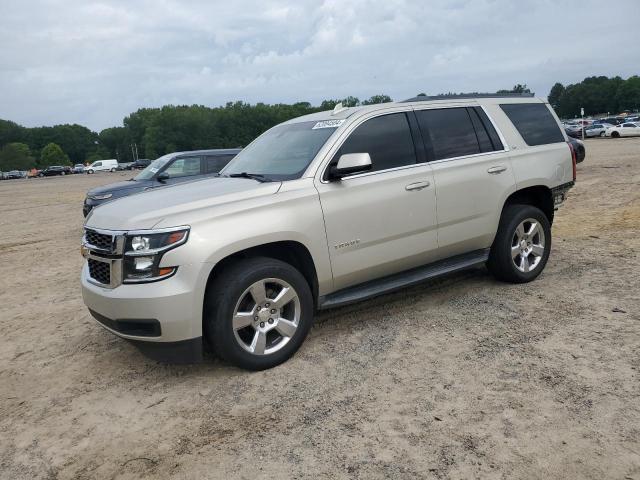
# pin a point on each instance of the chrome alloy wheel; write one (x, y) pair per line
(527, 245)
(266, 316)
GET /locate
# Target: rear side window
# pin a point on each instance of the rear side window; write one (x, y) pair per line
(215, 163)
(387, 139)
(450, 132)
(534, 122)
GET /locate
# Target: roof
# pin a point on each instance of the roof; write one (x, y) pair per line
(438, 100)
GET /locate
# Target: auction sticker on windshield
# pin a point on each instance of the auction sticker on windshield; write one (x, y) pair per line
(328, 124)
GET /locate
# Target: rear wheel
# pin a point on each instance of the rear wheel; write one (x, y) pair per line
(602, 134)
(258, 312)
(521, 248)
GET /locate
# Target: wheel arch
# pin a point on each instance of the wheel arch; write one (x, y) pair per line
(289, 251)
(539, 196)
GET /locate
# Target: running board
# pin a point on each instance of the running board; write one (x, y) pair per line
(400, 280)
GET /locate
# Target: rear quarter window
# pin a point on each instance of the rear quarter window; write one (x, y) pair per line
(534, 122)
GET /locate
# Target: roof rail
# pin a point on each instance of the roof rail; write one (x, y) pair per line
(424, 98)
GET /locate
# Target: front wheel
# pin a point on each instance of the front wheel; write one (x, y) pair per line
(521, 248)
(615, 134)
(258, 312)
(89, 172)
(63, 173)
(113, 170)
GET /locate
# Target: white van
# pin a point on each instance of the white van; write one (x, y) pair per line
(110, 165)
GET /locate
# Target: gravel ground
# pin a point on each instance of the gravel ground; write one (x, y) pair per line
(464, 377)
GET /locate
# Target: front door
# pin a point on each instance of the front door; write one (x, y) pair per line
(382, 221)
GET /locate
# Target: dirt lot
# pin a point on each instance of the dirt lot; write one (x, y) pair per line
(461, 378)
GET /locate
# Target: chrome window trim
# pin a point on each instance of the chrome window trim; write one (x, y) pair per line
(333, 150)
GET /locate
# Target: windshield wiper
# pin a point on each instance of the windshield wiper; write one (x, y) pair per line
(252, 176)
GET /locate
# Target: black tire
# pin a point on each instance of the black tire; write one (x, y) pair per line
(113, 170)
(615, 135)
(602, 134)
(225, 292)
(501, 263)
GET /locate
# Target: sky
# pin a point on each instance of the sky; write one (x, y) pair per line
(94, 62)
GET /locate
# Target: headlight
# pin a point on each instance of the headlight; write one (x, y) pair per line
(143, 252)
(101, 197)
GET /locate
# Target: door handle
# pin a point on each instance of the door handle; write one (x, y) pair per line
(417, 186)
(497, 169)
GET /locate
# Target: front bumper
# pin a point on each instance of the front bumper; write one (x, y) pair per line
(154, 315)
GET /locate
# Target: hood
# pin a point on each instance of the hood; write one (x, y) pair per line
(147, 209)
(120, 187)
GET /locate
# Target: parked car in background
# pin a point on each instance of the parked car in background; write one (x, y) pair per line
(78, 168)
(13, 174)
(54, 170)
(612, 120)
(109, 165)
(596, 129)
(140, 164)
(627, 129)
(125, 165)
(574, 131)
(167, 170)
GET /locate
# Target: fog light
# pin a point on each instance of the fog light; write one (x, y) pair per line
(143, 263)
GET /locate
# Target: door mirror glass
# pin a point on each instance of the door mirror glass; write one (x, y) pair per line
(351, 163)
(163, 176)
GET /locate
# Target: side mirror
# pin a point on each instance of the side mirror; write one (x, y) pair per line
(163, 177)
(349, 164)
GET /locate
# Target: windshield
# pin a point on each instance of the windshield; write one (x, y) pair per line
(282, 153)
(153, 168)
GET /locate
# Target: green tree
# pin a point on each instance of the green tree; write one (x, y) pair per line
(375, 99)
(555, 94)
(518, 88)
(52, 154)
(16, 156)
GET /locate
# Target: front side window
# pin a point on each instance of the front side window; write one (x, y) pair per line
(450, 132)
(534, 122)
(387, 140)
(184, 167)
(282, 153)
(97, 164)
(154, 167)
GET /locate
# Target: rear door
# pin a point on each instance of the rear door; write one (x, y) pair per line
(473, 175)
(382, 221)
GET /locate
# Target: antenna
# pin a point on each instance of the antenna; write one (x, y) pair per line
(338, 108)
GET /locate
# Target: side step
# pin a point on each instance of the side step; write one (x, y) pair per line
(400, 280)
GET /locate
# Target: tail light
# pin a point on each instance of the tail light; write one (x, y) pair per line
(574, 160)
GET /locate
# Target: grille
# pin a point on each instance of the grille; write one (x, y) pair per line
(100, 271)
(99, 240)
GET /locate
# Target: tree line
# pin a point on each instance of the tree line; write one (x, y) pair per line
(597, 95)
(152, 132)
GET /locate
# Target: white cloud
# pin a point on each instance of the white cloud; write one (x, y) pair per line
(93, 62)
